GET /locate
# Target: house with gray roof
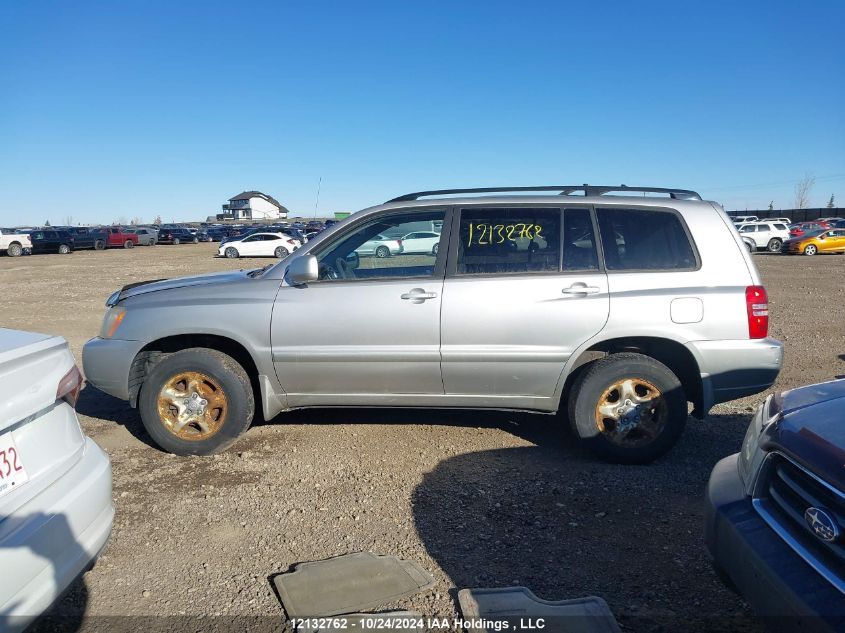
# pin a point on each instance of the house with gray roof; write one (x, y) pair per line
(253, 205)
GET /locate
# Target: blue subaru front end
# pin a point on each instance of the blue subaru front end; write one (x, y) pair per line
(775, 512)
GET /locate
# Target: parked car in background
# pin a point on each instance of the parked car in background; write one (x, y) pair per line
(85, 237)
(14, 244)
(51, 241)
(118, 237)
(420, 242)
(768, 235)
(146, 237)
(807, 227)
(775, 511)
(624, 338)
(829, 241)
(331, 223)
(743, 219)
(839, 224)
(380, 246)
(786, 221)
(203, 236)
(260, 245)
(216, 233)
(176, 236)
(56, 508)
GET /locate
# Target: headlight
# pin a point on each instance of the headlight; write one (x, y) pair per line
(112, 300)
(751, 456)
(112, 320)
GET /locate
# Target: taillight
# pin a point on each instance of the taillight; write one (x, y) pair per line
(291, 242)
(70, 386)
(757, 304)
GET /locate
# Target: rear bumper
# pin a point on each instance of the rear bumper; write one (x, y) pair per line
(106, 363)
(56, 536)
(775, 581)
(736, 368)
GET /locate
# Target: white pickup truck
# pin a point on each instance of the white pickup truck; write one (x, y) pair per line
(13, 243)
(56, 508)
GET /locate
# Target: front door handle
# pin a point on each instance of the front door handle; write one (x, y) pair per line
(581, 288)
(418, 295)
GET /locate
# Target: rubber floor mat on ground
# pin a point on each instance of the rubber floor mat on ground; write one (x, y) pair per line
(514, 604)
(349, 584)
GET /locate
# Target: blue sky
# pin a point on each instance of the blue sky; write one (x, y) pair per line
(132, 109)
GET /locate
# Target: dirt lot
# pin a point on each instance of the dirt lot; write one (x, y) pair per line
(479, 499)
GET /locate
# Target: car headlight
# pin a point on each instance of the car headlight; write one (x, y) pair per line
(751, 456)
(112, 320)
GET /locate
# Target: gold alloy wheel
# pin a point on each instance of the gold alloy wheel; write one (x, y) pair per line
(192, 406)
(631, 412)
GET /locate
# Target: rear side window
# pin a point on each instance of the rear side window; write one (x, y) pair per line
(579, 242)
(644, 239)
(505, 241)
(780, 227)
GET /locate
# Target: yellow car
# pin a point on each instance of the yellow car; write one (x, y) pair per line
(830, 241)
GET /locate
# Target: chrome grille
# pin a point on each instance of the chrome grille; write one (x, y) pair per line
(783, 493)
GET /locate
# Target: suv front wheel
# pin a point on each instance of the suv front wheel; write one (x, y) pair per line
(196, 402)
(628, 408)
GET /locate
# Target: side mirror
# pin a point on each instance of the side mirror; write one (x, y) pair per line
(353, 260)
(302, 270)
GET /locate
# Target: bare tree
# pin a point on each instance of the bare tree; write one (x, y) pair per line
(157, 220)
(69, 220)
(802, 191)
(772, 205)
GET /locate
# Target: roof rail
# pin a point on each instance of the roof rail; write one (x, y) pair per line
(564, 190)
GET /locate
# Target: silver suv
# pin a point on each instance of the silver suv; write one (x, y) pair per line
(614, 310)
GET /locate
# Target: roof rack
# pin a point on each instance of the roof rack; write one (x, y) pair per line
(564, 190)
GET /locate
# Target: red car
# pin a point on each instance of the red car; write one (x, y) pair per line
(807, 227)
(117, 236)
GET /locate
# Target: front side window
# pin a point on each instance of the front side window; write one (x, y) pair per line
(506, 241)
(644, 239)
(378, 248)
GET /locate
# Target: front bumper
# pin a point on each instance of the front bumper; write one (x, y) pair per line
(54, 538)
(736, 368)
(107, 362)
(775, 581)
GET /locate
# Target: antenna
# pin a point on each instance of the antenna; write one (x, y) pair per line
(317, 201)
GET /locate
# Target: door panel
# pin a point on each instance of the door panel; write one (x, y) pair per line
(511, 317)
(369, 329)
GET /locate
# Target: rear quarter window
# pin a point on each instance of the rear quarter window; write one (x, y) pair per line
(644, 239)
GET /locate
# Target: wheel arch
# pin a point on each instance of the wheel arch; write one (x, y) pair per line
(155, 351)
(675, 355)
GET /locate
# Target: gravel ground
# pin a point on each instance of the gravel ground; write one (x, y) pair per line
(478, 498)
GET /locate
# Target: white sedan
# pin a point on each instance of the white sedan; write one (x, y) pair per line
(56, 508)
(380, 246)
(420, 242)
(260, 245)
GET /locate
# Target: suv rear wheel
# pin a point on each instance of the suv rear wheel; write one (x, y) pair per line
(14, 250)
(628, 408)
(196, 401)
(775, 245)
(64, 249)
(129, 244)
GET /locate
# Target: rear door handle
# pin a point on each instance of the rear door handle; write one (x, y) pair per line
(581, 289)
(418, 295)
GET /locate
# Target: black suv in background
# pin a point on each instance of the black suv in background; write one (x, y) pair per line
(86, 237)
(51, 241)
(176, 236)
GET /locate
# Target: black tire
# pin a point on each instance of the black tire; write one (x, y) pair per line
(14, 250)
(382, 252)
(129, 244)
(811, 249)
(218, 368)
(196, 240)
(592, 387)
(434, 249)
(64, 249)
(99, 245)
(281, 252)
(750, 248)
(774, 245)
(231, 252)
(175, 241)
